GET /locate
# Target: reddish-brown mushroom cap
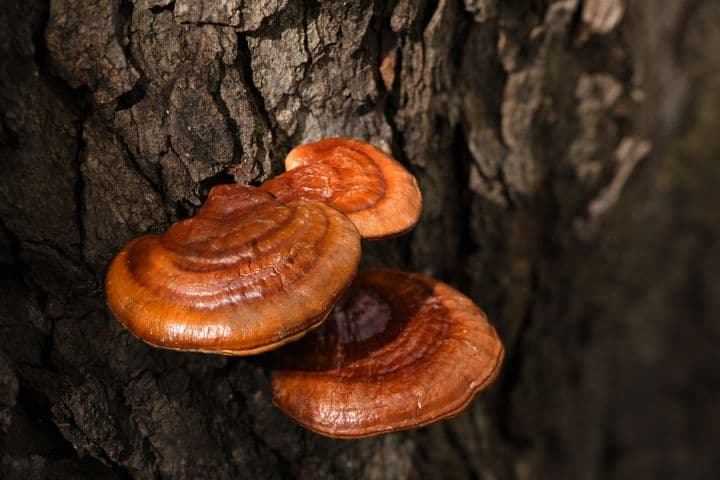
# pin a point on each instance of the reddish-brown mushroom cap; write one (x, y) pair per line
(375, 191)
(399, 350)
(246, 274)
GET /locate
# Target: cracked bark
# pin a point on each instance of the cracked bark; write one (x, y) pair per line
(565, 152)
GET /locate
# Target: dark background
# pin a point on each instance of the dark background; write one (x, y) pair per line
(568, 155)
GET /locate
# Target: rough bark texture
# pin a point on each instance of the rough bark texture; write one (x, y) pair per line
(566, 150)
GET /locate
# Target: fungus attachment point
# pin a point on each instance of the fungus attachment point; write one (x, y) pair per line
(375, 191)
(398, 351)
(246, 274)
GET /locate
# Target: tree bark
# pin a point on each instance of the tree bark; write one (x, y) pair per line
(565, 152)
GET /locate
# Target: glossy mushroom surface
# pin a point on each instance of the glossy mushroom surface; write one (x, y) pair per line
(375, 191)
(246, 274)
(398, 351)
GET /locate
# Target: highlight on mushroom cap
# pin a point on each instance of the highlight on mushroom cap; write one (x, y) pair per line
(246, 274)
(398, 351)
(374, 190)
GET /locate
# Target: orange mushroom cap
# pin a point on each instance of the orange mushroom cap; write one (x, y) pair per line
(399, 350)
(375, 191)
(246, 274)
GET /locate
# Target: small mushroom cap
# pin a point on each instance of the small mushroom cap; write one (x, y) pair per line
(246, 274)
(375, 191)
(398, 351)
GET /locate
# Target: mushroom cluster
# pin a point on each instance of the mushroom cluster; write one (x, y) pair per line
(260, 267)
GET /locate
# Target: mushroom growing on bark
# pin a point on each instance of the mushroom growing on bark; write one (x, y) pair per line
(246, 274)
(373, 189)
(399, 350)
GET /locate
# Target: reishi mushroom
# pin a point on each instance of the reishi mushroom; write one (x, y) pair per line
(400, 350)
(374, 190)
(246, 274)
(257, 268)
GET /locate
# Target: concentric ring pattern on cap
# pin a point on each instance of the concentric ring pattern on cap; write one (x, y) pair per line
(375, 191)
(244, 275)
(400, 350)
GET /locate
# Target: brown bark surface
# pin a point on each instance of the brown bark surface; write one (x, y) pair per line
(567, 154)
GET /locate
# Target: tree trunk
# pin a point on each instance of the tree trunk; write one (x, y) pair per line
(565, 153)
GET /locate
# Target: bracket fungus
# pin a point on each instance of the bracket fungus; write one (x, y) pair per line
(400, 350)
(246, 274)
(373, 189)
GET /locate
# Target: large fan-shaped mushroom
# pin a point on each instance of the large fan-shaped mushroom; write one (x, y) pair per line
(246, 274)
(400, 350)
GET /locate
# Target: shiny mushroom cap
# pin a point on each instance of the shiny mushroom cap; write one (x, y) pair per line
(246, 274)
(399, 350)
(375, 191)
